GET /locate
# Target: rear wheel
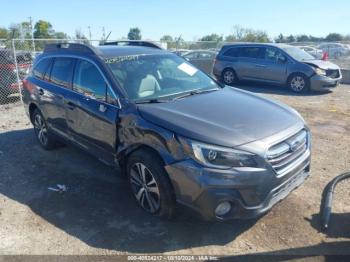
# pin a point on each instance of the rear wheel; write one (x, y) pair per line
(42, 133)
(229, 77)
(299, 83)
(150, 183)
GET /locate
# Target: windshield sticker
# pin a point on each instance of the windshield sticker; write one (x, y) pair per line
(188, 69)
(120, 59)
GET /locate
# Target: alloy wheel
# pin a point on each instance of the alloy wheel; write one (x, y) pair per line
(297, 83)
(229, 77)
(40, 129)
(145, 187)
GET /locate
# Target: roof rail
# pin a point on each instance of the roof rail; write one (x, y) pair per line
(83, 48)
(133, 43)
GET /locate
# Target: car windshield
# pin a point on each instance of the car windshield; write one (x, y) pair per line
(150, 77)
(298, 54)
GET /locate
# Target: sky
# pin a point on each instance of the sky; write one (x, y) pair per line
(189, 18)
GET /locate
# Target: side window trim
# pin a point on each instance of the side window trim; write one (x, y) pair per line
(115, 96)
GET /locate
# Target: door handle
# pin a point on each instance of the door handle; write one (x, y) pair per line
(102, 108)
(258, 65)
(41, 92)
(70, 105)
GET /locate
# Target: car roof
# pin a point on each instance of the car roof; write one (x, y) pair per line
(279, 45)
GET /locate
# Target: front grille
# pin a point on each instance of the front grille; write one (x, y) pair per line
(284, 154)
(332, 73)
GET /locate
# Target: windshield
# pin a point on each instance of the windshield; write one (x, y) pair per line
(157, 76)
(298, 54)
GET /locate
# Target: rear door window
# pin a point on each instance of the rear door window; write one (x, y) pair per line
(41, 68)
(62, 71)
(89, 81)
(250, 52)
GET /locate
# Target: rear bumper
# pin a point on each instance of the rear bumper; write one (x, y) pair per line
(251, 193)
(322, 82)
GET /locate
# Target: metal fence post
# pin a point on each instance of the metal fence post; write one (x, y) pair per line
(17, 72)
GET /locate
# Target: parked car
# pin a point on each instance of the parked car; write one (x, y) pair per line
(315, 52)
(335, 50)
(202, 59)
(8, 73)
(275, 64)
(180, 52)
(177, 134)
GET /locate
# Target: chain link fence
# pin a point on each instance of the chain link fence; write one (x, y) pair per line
(17, 56)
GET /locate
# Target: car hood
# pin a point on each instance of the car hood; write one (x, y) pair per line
(228, 117)
(321, 64)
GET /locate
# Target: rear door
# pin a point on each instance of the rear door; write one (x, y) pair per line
(58, 83)
(248, 64)
(92, 112)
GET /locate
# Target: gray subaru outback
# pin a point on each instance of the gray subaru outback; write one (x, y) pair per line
(279, 64)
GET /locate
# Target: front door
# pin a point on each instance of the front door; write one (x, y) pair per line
(91, 115)
(273, 66)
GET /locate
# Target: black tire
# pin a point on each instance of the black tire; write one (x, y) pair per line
(229, 77)
(298, 83)
(156, 198)
(42, 133)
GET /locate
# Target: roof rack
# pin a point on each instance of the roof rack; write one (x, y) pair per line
(83, 48)
(133, 43)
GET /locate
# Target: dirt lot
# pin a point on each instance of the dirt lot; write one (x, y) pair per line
(98, 215)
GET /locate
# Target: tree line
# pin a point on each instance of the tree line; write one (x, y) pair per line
(44, 30)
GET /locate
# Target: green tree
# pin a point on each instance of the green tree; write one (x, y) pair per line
(14, 31)
(134, 34)
(212, 37)
(169, 40)
(4, 34)
(60, 35)
(43, 29)
(280, 39)
(230, 38)
(303, 38)
(290, 39)
(334, 37)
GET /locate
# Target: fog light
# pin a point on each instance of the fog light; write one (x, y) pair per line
(223, 208)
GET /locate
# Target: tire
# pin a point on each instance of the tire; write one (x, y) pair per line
(299, 83)
(150, 183)
(229, 77)
(42, 133)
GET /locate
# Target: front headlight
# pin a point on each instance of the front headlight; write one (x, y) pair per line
(320, 71)
(222, 157)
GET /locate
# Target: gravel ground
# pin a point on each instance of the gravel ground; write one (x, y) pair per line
(98, 215)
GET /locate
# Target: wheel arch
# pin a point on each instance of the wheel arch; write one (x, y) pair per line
(32, 107)
(123, 156)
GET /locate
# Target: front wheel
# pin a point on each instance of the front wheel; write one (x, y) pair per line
(299, 83)
(150, 183)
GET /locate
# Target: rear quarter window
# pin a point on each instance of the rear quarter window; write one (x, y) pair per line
(41, 68)
(62, 71)
(232, 52)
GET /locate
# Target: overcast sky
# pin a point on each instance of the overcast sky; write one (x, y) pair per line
(191, 19)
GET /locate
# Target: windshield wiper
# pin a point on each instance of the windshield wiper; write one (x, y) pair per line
(195, 92)
(151, 101)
